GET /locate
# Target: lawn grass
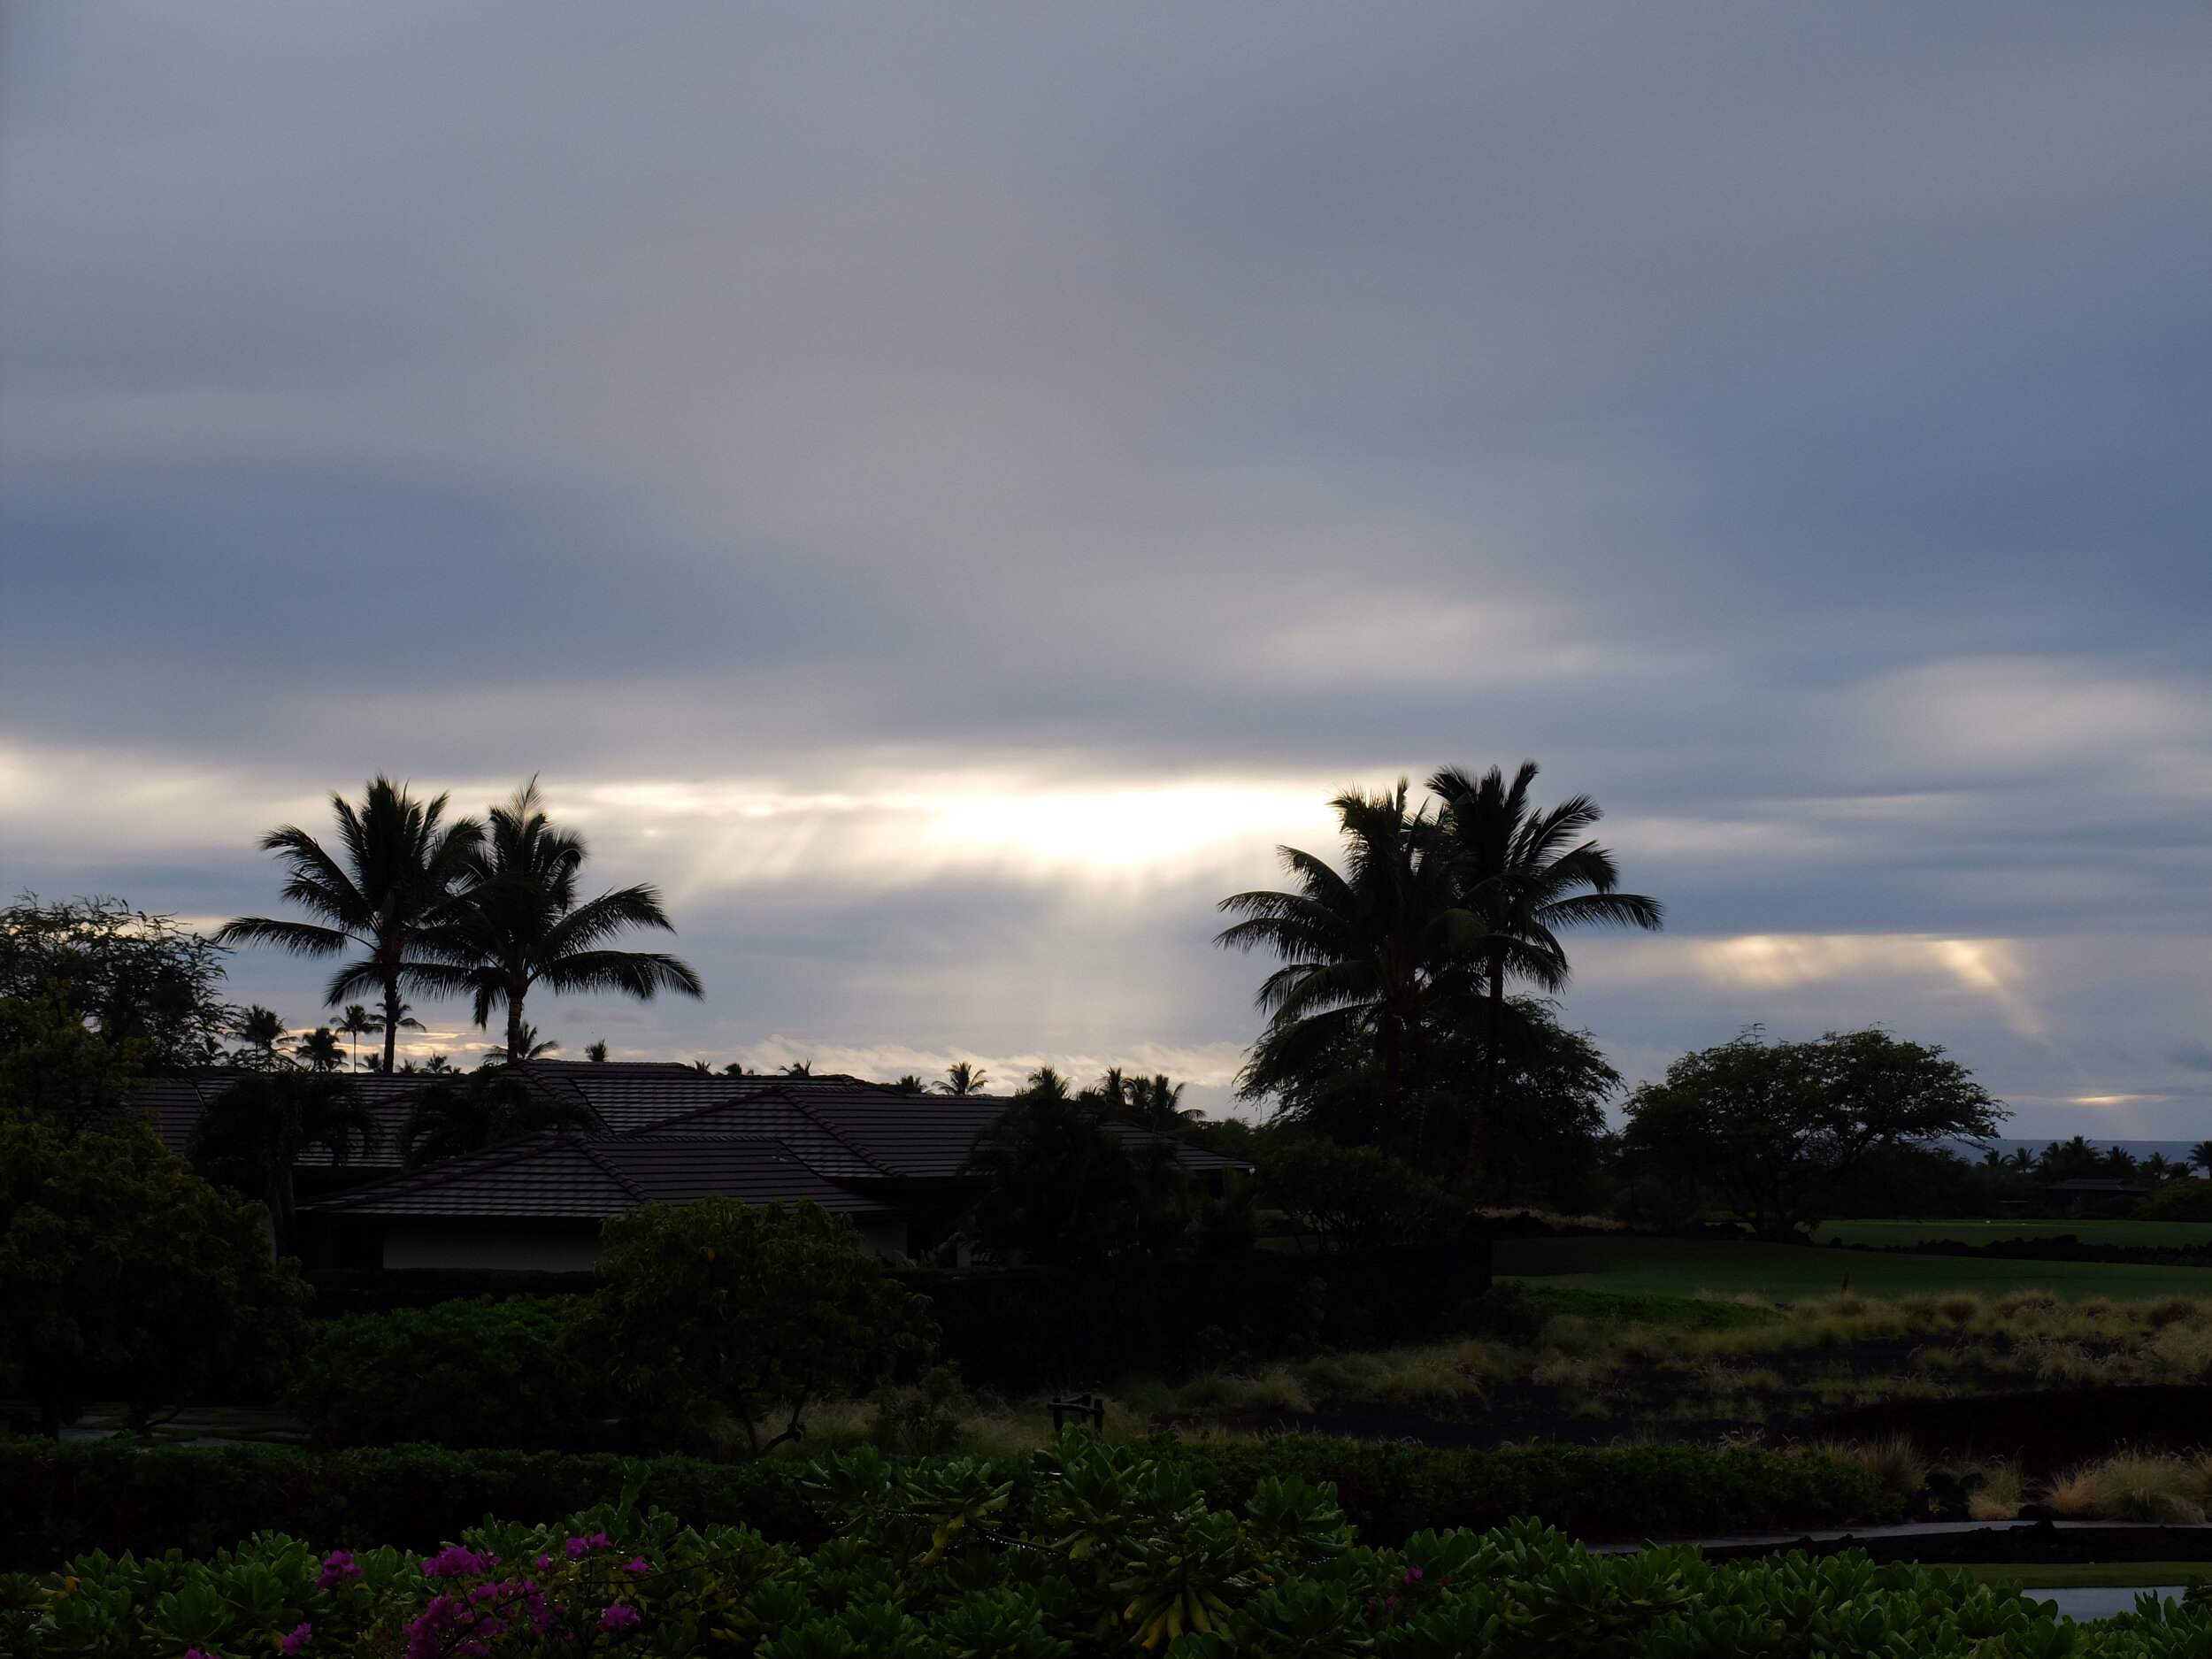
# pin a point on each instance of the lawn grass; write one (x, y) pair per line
(2166, 1235)
(1630, 1266)
(2090, 1575)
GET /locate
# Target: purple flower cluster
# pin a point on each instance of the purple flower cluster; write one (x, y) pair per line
(337, 1568)
(469, 1623)
(299, 1637)
(1375, 1608)
(455, 1560)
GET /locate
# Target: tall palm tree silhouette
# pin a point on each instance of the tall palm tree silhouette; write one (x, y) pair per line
(397, 868)
(1364, 950)
(519, 924)
(1527, 873)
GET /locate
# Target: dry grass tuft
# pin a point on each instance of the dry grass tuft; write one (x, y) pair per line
(1896, 1463)
(2140, 1487)
(2078, 1492)
(1960, 1309)
(2027, 1302)
(2003, 1491)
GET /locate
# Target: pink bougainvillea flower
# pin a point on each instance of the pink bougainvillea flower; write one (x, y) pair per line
(1413, 1575)
(544, 1562)
(637, 1566)
(337, 1568)
(598, 1540)
(455, 1560)
(298, 1638)
(617, 1617)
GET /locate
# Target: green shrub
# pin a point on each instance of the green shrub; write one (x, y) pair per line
(463, 1374)
(65, 1499)
(68, 1498)
(713, 1319)
(2189, 1199)
(1088, 1550)
(1394, 1491)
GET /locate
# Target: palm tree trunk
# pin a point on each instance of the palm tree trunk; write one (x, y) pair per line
(1493, 1061)
(391, 1022)
(515, 994)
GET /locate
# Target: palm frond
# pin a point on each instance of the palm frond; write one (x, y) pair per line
(301, 939)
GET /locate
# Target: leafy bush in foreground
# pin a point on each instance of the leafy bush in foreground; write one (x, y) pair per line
(1089, 1551)
(65, 1499)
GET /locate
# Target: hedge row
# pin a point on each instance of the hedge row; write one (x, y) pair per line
(64, 1499)
(1086, 1552)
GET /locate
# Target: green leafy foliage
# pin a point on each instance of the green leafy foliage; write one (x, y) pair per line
(1083, 1551)
(1063, 1188)
(135, 977)
(67, 1499)
(722, 1313)
(54, 1065)
(122, 1270)
(1771, 1128)
(1352, 1197)
(2189, 1199)
(484, 1372)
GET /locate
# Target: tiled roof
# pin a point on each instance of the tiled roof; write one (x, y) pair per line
(178, 1102)
(778, 1114)
(841, 1128)
(580, 1178)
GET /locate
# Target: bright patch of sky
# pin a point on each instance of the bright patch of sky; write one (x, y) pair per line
(944, 492)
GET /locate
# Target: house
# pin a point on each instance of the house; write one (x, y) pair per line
(2078, 1193)
(672, 1135)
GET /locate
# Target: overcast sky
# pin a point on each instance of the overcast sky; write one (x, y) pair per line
(944, 490)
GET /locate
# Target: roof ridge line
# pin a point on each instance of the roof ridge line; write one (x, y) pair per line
(798, 1106)
(443, 1171)
(636, 1194)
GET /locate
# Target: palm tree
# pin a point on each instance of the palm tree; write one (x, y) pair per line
(492, 1106)
(381, 1022)
(1150, 1103)
(396, 868)
(253, 1133)
(596, 1052)
(319, 1050)
(533, 1047)
(2200, 1157)
(263, 1029)
(519, 924)
(1528, 874)
(797, 1068)
(356, 1023)
(1364, 952)
(962, 1078)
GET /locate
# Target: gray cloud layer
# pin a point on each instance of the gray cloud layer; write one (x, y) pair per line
(1788, 424)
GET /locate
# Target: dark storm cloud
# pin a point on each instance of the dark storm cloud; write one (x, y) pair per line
(1788, 424)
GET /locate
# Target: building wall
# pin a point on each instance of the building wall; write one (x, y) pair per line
(884, 1236)
(558, 1251)
(545, 1250)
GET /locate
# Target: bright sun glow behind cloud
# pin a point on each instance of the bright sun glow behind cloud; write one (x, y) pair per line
(895, 833)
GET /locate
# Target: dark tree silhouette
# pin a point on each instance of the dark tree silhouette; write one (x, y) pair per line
(1528, 874)
(487, 1109)
(395, 870)
(1364, 951)
(520, 926)
(253, 1133)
